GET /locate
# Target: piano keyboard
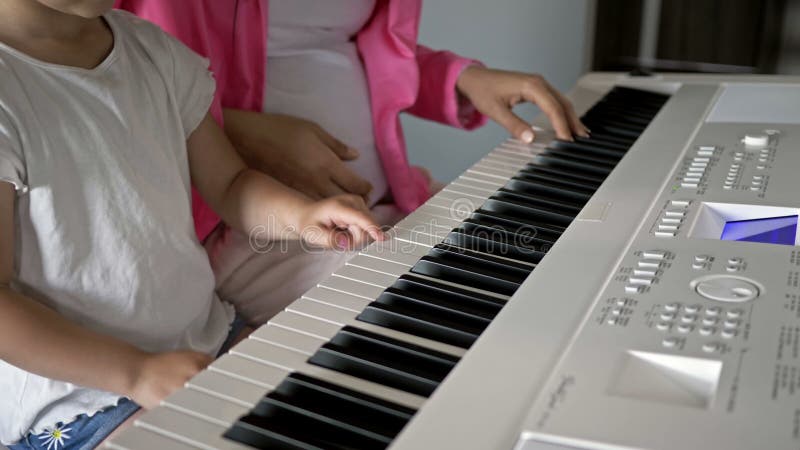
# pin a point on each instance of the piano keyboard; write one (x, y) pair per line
(348, 365)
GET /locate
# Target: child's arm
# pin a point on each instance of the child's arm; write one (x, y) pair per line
(248, 200)
(37, 339)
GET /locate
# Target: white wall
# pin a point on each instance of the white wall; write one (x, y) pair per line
(544, 36)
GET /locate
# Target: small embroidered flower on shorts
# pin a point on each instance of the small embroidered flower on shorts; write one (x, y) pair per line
(55, 437)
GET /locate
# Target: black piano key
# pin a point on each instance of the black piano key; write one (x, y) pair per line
(532, 210)
(570, 163)
(619, 115)
(421, 320)
(637, 100)
(600, 143)
(492, 244)
(514, 224)
(600, 137)
(537, 184)
(472, 269)
(638, 95)
(616, 125)
(566, 175)
(359, 413)
(523, 213)
(443, 294)
(590, 148)
(525, 235)
(554, 203)
(584, 157)
(526, 238)
(282, 421)
(384, 360)
(255, 435)
(547, 180)
(604, 107)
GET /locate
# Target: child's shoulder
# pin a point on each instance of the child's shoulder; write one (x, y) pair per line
(140, 30)
(132, 22)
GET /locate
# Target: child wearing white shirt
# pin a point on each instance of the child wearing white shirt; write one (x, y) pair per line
(106, 297)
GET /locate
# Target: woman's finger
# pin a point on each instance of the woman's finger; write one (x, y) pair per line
(338, 147)
(535, 90)
(325, 187)
(349, 181)
(575, 123)
(502, 114)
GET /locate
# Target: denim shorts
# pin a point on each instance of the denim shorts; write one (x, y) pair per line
(86, 433)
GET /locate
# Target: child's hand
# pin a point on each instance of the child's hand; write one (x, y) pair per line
(161, 374)
(341, 222)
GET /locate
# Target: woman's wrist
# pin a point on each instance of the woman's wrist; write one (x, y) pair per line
(466, 78)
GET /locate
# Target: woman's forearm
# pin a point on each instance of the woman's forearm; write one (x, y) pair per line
(37, 339)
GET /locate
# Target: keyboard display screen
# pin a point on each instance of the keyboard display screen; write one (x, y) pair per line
(771, 230)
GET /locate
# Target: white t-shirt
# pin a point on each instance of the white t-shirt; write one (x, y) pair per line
(104, 227)
(314, 71)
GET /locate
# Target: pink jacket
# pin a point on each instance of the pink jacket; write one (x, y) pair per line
(402, 75)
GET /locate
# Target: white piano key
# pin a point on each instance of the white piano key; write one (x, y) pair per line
(459, 208)
(491, 161)
(378, 265)
(411, 237)
(270, 354)
(205, 407)
(349, 286)
(511, 157)
(300, 342)
(336, 298)
(478, 180)
(136, 438)
(529, 152)
(249, 371)
(226, 387)
(437, 217)
(461, 188)
(300, 323)
(399, 252)
(491, 170)
(485, 183)
(323, 313)
(365, 276)
(188, 429)
(470, 189)
(467, 199)
(466, 288)
(512, 161)
(511, 154)
(455, 204)
(431, 220)
(424, 228)
(421, 224)
(303, 324)
(453, 196)
(442, 216)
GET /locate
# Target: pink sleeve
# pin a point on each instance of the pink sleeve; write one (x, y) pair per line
(438, 98)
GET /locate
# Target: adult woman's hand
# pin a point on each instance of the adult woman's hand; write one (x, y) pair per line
(297, 152)
(495, 92)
